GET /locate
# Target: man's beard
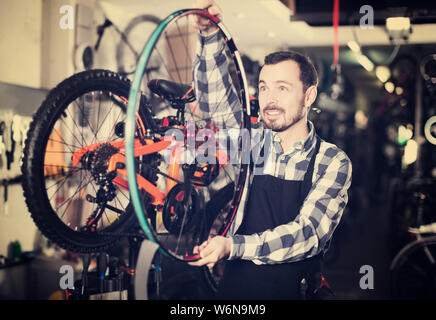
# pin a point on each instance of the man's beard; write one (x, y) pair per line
(277, 126)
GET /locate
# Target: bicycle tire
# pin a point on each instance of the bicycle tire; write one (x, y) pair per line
(413, 274)
(173, 27)
(54, 113)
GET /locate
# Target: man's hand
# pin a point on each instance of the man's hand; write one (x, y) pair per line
(204, 25)
(212, 250)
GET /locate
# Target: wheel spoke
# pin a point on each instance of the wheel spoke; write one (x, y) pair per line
(82, 109)
(173, 57)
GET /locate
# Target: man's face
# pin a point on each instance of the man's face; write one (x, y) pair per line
(281, 97)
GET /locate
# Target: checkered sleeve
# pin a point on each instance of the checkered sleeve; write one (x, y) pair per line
(308, 233)
(216, 95)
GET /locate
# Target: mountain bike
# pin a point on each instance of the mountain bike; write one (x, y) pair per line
(101, 156)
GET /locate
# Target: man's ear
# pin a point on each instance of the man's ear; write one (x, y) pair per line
(310, 96)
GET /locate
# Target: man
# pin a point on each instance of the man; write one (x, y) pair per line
(290, 211)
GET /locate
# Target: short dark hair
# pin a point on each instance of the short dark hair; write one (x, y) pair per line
(308, 73)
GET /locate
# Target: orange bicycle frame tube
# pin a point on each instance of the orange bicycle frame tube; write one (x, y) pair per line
(158, 196)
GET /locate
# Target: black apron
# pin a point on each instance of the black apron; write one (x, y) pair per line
(272, 202)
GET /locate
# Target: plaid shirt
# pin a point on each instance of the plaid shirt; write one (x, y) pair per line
(213, 85)
(321, 211)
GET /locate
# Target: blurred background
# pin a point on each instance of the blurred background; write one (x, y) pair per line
(376, 101)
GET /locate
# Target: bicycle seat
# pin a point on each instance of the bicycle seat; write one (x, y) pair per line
(176, 93)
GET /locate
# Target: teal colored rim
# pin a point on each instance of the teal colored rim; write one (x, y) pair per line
(132, 109)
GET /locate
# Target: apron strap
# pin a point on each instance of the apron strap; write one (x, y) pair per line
(307, 182)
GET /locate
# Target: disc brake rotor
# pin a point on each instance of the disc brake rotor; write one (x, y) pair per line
(180, 211)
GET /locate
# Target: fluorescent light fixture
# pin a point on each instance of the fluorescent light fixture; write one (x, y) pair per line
(354, 46)
(389, 86)
(383, 73)
(398, 23)
(365, 62)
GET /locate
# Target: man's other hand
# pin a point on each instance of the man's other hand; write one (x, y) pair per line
(211, 251)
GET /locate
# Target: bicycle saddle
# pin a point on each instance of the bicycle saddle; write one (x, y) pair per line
(174, 92)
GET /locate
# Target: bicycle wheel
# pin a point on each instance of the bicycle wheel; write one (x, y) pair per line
(199, 197)
(70, 193)
(413, 270)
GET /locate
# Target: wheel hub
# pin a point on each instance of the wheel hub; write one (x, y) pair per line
(180, 210)
(99, 162)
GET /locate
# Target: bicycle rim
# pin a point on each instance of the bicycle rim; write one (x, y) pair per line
(208, 209)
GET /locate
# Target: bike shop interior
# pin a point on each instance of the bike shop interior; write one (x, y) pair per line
(376, 101)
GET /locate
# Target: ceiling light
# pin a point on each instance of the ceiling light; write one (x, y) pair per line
(389, 86)
(398, 23)
(410, 153)
(404, 134)
(398, 28)
(354, 46)
(365, 62)
(383, 73)
(399, 91)
(403, 102)
(360, 119)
